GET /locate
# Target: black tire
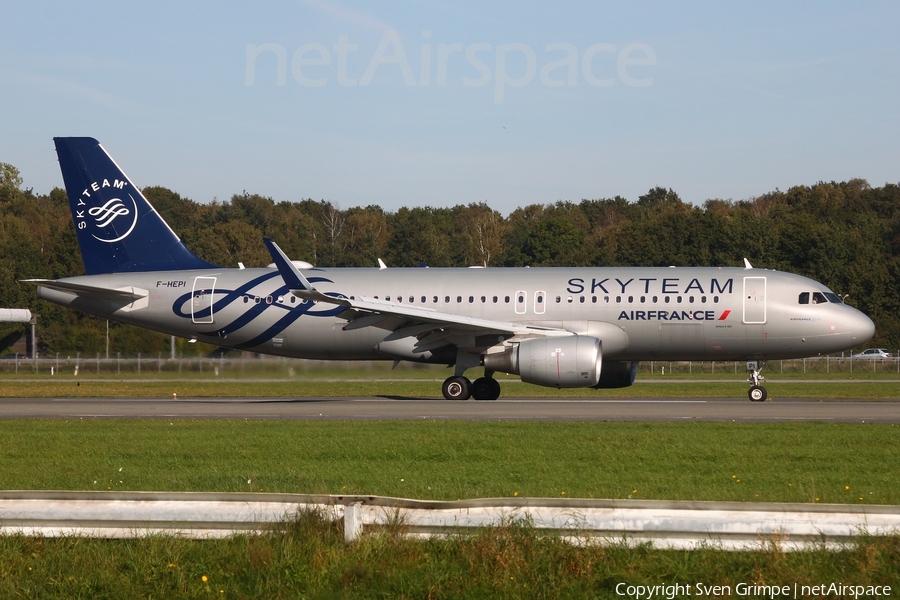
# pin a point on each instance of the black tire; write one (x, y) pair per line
(485, 388)
(757, 393)
(457, 388)
(495, 389)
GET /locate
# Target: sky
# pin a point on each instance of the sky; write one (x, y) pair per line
(434, 103)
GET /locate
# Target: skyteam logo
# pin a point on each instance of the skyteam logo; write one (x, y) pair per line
(107, 213)
(109, 220)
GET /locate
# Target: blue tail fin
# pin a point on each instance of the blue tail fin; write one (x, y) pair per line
(118, 230)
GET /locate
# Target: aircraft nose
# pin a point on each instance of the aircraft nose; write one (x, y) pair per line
(862, 329)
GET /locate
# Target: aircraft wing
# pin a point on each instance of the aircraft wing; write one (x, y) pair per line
(129, 293)
(432, 328)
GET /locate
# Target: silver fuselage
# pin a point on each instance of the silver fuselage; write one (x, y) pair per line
(684, 313)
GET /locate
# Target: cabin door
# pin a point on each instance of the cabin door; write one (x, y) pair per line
(754, 299)
(202, 299)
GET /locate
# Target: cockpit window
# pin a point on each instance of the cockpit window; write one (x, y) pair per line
(833, 298)
(819, 298)
(804, 297)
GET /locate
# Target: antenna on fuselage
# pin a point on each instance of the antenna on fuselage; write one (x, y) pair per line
(747, 264)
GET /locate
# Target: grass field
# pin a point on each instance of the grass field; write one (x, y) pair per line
(767, 462)
(790, 462)
(774, 462)
(311, 560)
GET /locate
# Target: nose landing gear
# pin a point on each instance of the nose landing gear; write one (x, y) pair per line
(757, 392)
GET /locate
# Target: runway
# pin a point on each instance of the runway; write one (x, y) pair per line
(513, 409)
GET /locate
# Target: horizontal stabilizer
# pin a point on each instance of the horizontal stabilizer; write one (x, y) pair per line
(126, 293)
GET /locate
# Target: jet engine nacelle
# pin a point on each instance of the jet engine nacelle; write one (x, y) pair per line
(617, 374)
(563, 362)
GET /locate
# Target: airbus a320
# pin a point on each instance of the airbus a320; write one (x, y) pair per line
(557, 327)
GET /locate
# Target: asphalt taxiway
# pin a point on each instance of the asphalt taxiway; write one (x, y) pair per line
(512, 409)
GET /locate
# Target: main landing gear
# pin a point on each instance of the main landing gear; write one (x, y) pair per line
(757, 392)
(460, 388)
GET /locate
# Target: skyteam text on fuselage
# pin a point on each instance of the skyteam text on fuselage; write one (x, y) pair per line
(556, 327)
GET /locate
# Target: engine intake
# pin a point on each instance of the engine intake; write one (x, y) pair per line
(563, 362)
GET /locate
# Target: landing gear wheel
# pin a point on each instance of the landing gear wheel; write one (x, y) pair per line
(758, 394)
(495, 389)
(485, 388)
(457, 388)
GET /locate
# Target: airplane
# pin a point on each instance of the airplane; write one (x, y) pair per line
(556, 327)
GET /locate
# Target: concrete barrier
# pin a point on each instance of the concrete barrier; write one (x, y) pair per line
(665, 524)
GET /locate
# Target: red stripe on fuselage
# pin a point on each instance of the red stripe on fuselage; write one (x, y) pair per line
(725, 315)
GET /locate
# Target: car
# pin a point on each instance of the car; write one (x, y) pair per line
(874, 353)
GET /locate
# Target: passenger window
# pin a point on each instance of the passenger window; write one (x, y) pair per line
(495, 299)
(804, 298)
(447, 299)
(458, 299)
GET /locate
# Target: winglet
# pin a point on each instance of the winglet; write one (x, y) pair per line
(294, 279)
(290, 273)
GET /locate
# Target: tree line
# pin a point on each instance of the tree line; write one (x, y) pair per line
(845, 235)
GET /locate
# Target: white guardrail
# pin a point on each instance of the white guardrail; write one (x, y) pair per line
(665, 524)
